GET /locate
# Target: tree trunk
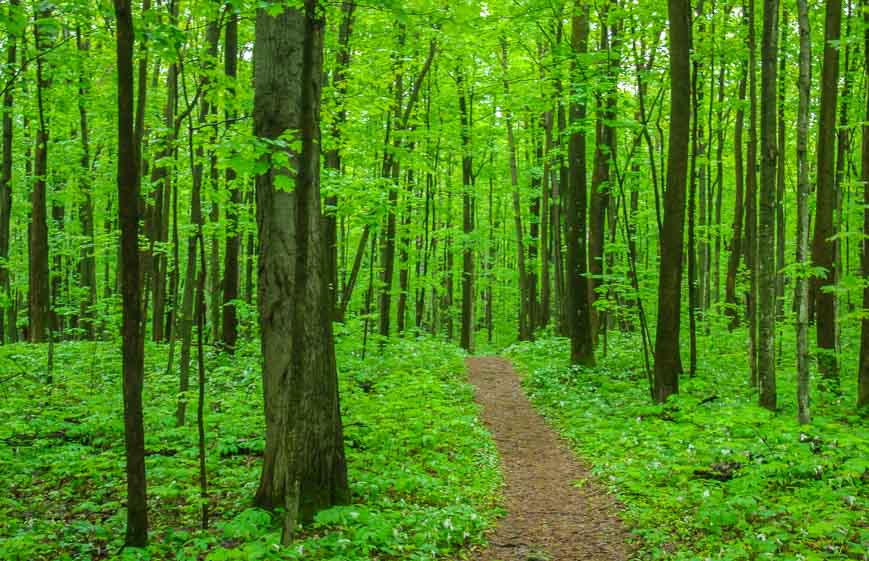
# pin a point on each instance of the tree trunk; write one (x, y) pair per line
(822, 246)
(6, 188)
(781, 174)
(863, 374)
(467, 335)
(751, 198)
(668, 364)
(802, 284)
(229, 333)
(133, 337)
(732, 307)
(576, 284)
(39, 293)
(304, 469)
(766, 266)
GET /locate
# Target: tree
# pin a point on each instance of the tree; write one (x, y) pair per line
(576, 294)
(822, 244)
(766, 265)
(802, 285)
(6, 179)
(304, 469)
(668, 363)
(863, 374)
(467, 335)
(231, 271)
(39, 293)
(133, 336)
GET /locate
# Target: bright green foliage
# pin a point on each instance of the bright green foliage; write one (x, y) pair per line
(423, 471)
(794, 492)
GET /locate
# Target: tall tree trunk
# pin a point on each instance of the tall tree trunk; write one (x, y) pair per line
(575, 196)
(732, 307)
(87, 264)
(467, 335)
(6, 185)
(229, 334)
(781, 174)
(719, 180)
(668, 364)
(822, 246)
(696, 153)
(803, 187)
(751, 197)
(766, 269)
(863, 373)
(304, 468)
(133, 335)
(39, 293)
(600, 189)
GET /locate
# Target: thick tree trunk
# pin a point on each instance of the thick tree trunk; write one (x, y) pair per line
(668, 364)
(304, 469)
(576, 283)
(133, 336)
(822, 246)
(766, 269)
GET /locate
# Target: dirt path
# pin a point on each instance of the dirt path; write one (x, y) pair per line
(548, 517)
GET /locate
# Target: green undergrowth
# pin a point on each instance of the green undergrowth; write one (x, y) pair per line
(709, 475)
(423, 471)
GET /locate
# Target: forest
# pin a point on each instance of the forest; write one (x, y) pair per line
(502, 280)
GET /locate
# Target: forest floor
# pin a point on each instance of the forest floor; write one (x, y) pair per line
(555, 510)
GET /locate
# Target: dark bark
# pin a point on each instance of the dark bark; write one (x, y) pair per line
(467, 333)
(732, 307)
(576, 283)
(863, 373)
(133, 336)
(7, 328)
(229, 333)
(39, 292)
(750, 246)
(87, 265)
(304, 468)
(801, 295)
(822, 246)
(766, 269)
(668, 363)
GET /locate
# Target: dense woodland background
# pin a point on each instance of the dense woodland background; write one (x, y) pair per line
(235, 189)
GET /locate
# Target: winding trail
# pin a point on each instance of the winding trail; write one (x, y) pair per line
(549, 517)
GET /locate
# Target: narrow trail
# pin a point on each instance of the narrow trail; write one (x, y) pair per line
(548, 518)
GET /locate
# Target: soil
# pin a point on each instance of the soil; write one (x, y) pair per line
(555, 509)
